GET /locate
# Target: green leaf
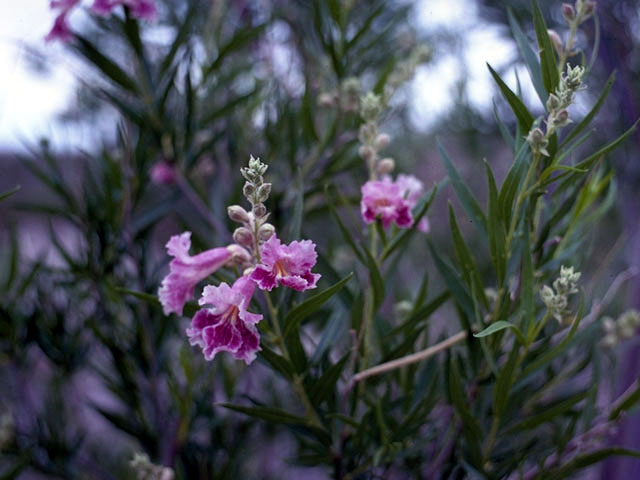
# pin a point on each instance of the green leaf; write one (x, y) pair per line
(504, 131)
(548, 62)
(421, 314)
(504, 381)
(627, 403)
(179, 40)
(376, 280)
(467, 264)
(107, 66)
(270, 414)
(8, 193)
(587, 459)
(455, 286)
(326, 384)
(528, 283)
(343, 229)
(497, 234)
(467, 199)
(591, 159)
(525, 119)
(529, 57)
(243, 37)
(277, 362)
(311, 305)
(512, 181)
(549, 412)
(306, 113)
(498, 326)
(584, 123)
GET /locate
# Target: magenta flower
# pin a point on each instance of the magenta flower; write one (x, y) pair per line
(163, 173)
(413, 189)
(185, 271)
(384, 199)
(288, 265)
(227, 326)
(60, 30)
(145, 9)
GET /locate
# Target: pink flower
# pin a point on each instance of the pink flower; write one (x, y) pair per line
(145, 9)
(288, 265)
(412, 189)
(227, 326)
(385, 199)
(185, 271)
(163, 173)
(60, 30)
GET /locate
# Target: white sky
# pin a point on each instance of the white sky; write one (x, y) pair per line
(29, 102)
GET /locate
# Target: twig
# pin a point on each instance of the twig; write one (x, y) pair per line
(409, 359)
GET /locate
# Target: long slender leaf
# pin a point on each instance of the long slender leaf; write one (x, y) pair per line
(525, 119)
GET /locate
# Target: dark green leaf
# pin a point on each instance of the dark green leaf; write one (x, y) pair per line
(497, 234)
(498, 326)
(8, 193)
(525, 119)
(326, 384)
(529, 57)
(548, 62)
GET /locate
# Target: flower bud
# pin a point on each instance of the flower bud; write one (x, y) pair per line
(259, 210)
(568, 12)
(238, 214)
(553, 102)
(266, 231)
(248, 190)
(562, 119)
(588, 8)
(263, 192)
(243, 236)
(382, 141)
(366, 153)
(385, 166)
(239, 255)
(326, 100)
(556, 40)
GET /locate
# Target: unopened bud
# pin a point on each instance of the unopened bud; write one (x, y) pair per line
(386, 166)
(382, 141)
(266, 231)
(568, 12)
(248, 190)
(243, 236)
(239, 255)
(366, 153)
(263, 192)
(238, 214)
(259, 210)
(553, 102)
(326, 100)
(562, 119)
(556, 40)
(588, 9)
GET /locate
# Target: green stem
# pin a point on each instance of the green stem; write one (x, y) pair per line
(573, 28)
(310, 412)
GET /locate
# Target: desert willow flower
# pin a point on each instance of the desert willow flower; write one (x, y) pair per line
(224, 324)
(556, 299)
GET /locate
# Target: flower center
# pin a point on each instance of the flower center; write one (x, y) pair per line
(231, 315)
(280, 269)
(382, 202)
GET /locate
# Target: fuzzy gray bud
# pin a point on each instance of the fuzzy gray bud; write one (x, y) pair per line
(243, 236)
(259, 210)
(386, 166)
(238, 214)
(553, 102)
(248, 190)
(263, 192)
(366, 153)
(266, 231)
(556, 40)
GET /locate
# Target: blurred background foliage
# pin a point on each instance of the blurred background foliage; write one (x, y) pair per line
(91, 374)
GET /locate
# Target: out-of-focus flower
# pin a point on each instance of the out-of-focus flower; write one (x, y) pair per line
(145, 470)
(163, 173)
(144, 9)
(60, 30)
(623, 328)
(385, 200)
(288, 265)
(185, 271)
(227, 326)
(413, 189)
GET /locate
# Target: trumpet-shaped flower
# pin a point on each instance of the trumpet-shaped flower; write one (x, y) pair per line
(384, 199)
(227, 326)
(185, 271)
(288, 265)
(413, 189)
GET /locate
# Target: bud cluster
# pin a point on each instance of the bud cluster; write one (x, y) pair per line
(405, 69)
(557, 105)
(371, 141)
(346, 97)
(623, 328)
(254, 230)
(578, 13)
(145, 470)
(556, 299)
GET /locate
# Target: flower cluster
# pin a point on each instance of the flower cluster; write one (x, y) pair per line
(143, 9)
(145, 470)
(556, 299)
(224, 324)
(623, 328)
